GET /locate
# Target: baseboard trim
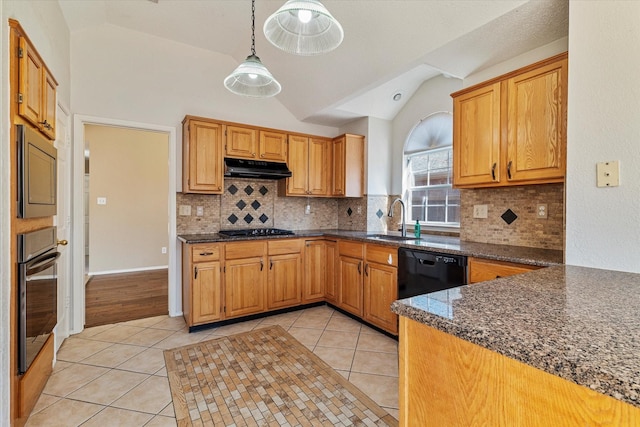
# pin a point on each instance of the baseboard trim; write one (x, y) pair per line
(129, 270)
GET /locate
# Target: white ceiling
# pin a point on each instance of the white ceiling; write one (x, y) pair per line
(389, 46)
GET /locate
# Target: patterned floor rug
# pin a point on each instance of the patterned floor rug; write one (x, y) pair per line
(264, 377)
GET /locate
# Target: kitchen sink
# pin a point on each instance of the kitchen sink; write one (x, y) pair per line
(390, 237)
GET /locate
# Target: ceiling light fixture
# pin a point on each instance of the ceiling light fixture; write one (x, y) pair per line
(397, 96)
(303, 27)
(251, 78)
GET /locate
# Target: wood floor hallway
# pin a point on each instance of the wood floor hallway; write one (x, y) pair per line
(114, 298)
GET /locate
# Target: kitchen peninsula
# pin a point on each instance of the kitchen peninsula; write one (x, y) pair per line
(558, 346)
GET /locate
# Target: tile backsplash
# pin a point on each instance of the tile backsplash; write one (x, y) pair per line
(248, 203)
(525, 229)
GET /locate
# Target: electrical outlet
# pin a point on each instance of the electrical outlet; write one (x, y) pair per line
(199, 210)
(164, 250)
(185, 210)
(480, 211)
(541, 211)
(359, 210)
(307, 209)
(102, 200)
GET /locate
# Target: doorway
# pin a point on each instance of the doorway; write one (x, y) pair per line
(120, 220)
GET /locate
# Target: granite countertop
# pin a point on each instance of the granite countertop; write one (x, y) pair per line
(581, 324)
(442, 244)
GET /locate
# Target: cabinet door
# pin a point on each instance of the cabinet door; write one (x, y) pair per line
(331, 281)
(481, 270)
(537, 123)
(476, 136)
(206, 303)
(350, 287)
(49, 105)
(338, 155)
(241, 142)
(315, 261)
(380, 290)
(245, 286)
(273, 146)
(319, 166)
(298, 162)
(31, 72)
(203, 171)
(285, 277)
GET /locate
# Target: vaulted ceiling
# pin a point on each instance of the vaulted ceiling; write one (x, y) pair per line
(389, 46)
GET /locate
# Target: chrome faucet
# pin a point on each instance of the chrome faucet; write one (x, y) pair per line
(390, 215)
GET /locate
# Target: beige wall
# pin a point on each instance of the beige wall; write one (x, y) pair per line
(130, 169)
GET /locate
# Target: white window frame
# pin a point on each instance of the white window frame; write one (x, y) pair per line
(407, 190)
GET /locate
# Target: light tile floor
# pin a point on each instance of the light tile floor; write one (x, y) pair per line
(114, 375)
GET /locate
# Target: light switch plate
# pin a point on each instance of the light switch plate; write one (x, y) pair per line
(480, 211)
(608, 174)
(185, 210)
(102, 200)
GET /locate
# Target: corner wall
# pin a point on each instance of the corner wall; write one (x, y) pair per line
(603, 226)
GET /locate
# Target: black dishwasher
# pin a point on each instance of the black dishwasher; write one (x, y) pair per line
(422, 272)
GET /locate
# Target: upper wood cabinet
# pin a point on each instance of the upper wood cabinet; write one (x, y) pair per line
(37, 96)
(512, 129)
(253, 143)
(273, 146)
(309, 159)
(348, 166)
(241, 142)
(202, 156)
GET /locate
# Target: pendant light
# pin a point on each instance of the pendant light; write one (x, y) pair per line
(251, 78)
(303, 27)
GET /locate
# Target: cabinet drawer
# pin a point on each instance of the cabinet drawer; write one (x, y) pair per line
(245, 249)
(382, 255)
(205, 252)
(285, 246)
(481, 270)
(351, 249)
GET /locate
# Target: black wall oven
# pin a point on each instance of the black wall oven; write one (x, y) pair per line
(37, 293)
(37, 174)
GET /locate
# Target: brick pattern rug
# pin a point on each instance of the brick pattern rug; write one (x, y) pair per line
(264, 377)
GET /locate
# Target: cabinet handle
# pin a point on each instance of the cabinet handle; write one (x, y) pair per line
(366, 269)
(253, 154)
(45, 124)
(493, 171)
(195, 276)
(262, 155)
(359, 267)
(261, 264)
(206, 253)
(219, 187)
(509, 169)
(270, 264)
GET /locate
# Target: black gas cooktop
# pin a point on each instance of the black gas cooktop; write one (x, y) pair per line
(255, 232)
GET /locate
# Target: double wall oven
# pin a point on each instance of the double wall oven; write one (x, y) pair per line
(37, 292)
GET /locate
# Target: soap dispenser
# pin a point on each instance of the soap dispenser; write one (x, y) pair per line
(416, 229)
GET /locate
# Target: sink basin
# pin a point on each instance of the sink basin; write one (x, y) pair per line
(390, 237)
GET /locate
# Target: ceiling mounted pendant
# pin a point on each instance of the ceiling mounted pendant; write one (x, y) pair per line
(252, 78)
(303, 27)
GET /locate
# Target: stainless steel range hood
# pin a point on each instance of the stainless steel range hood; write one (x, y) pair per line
(242, 168)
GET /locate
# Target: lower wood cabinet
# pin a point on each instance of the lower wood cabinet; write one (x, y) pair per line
(481, 270)
(381, 286)
(284, 281)
(320, 271)
(350, 277)
(245, 278)
(201, 284)
(230, 280)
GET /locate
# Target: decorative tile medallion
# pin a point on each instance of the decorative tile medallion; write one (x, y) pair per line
(255, 205)
(263, 218)
(232, 219)
(509, 216)
(349, 211)
(263, 190)
(232, 189)
(248, 189)
(248, 218)
(241, 204)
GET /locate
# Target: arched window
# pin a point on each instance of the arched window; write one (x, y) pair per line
(428, 173)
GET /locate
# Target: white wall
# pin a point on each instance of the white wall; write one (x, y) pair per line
(45, 25)
(432, 96)
(129, 168)
(603, 224)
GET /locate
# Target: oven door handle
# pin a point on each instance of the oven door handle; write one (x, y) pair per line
(42, 263)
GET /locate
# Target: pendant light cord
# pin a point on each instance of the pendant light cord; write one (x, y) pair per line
(253, 27)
